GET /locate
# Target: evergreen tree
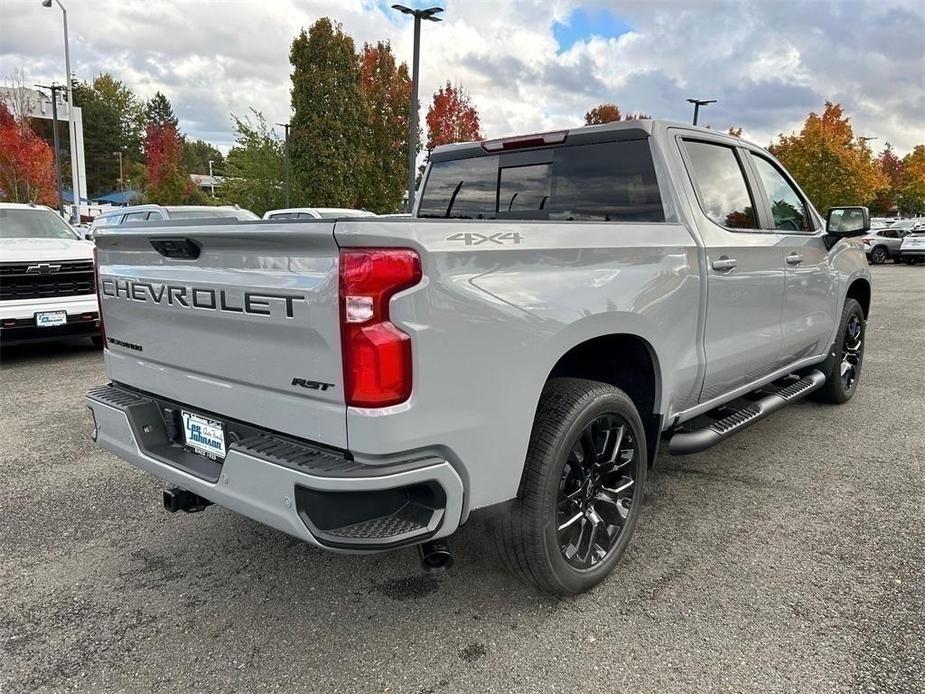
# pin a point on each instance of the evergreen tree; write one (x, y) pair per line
(159, 112)
(198, 153)
(113, 121)
(254, 168)
(327, 140)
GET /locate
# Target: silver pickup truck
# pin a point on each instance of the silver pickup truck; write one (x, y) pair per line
(558, 305)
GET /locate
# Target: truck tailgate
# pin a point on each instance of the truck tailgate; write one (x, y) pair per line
(248, 329)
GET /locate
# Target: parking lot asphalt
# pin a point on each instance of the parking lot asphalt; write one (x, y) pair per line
(789, 559)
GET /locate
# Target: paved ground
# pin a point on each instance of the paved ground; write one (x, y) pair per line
(790, 559)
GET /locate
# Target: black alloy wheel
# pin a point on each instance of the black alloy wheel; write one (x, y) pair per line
(596, 491)
(852, 350)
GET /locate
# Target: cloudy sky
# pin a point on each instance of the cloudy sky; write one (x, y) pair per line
(528, 64)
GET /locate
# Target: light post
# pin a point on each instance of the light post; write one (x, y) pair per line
(211, 179)
(121, 180)
(285, 127)
(72, 126)
(429, 15)
(54, 89)
(697, 104)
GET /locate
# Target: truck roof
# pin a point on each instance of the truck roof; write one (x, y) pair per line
(618, 130)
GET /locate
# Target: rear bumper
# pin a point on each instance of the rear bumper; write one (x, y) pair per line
(319, 495)
(912, 253)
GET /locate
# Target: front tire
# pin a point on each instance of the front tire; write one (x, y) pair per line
(582, 488)
(848, 350)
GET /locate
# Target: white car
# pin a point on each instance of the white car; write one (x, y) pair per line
(912, 249)
(47, 286)
(316, 213)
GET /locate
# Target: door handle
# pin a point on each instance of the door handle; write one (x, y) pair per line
(724, 263)
(795, 259)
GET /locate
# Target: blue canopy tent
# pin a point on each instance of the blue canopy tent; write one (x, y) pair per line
(115, 198)
(68, 197)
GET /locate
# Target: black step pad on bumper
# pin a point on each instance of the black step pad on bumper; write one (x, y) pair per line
(686, 442)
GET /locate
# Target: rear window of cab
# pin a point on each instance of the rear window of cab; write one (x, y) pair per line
(608, 182)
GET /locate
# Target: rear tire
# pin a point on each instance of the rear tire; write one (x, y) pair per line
(848, 350)
(878, 255)
(582, 488)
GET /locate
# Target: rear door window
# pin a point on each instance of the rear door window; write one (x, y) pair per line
(607, 181)
(135, 217)
(720, 184)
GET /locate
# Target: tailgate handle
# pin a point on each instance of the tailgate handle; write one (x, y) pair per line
(181, 249)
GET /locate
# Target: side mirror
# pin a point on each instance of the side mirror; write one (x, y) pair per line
(845, 222)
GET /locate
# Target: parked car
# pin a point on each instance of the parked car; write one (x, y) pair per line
(47, 285)
(881, 222)
(883, 244)
(147, 213)
(912, 249)
(560, 304)
(316, 213)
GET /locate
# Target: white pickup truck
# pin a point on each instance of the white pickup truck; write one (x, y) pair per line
(47, 289)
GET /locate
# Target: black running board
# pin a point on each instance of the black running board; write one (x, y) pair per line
(686, 442)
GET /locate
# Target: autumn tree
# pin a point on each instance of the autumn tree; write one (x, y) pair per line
(911, 197)
(113, 121)
(735, 132)
(254, 167)
(387, 89)
(892, 168)
(609, 113)
(329, 132)
(831, 165)
(168, 182)
(27, 163)
(452, 117)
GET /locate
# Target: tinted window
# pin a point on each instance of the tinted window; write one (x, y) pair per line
(33, 224)
(285, 215)
(720, 185)
(524, 189)
(462, 188)
(135, 217)
(609, 181)
(787, 208)
(606, 182)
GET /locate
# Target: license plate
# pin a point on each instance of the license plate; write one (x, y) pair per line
(204, 435)
(48, 319)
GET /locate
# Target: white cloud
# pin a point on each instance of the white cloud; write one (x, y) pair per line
(768, 63)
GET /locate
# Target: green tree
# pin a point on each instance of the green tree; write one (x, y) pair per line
(328, 137)
(159, 111)
(912, 192)
(198, 153)
(387, 89)
(831, 165)
(254, 167)
(113, 121)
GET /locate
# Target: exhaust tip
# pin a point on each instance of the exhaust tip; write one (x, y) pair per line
(436, 557)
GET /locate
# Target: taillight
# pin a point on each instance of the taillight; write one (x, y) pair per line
(99, 293)
(377, 355)
(866, 242)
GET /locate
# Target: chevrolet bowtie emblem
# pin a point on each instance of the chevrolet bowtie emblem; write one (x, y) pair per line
(42, 269)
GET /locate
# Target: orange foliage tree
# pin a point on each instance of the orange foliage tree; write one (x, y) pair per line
(831, 165)
(608, 113)
(452, 117)
(27, 163)
(168, 182)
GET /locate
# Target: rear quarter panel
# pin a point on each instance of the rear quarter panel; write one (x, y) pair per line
(491, 319)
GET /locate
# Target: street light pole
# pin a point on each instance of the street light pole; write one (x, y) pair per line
(54, 89)
(72, 126)
(429, 15)
(697, 104)
(285, 127)
(211, 178)
(121, 179)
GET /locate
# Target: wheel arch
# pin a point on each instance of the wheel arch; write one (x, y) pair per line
(859, 290)
(626, 361)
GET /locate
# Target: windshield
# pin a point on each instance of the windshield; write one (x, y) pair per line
(33, 224)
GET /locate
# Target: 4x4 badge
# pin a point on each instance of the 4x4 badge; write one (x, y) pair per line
(473, 238)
